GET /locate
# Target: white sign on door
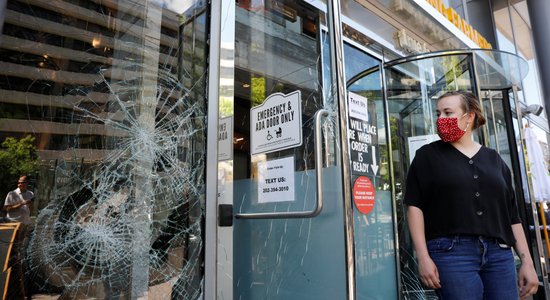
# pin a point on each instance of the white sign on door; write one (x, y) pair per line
(276, 180)
(358, 107)
(225, 139)
(416, 142)
(276, 124)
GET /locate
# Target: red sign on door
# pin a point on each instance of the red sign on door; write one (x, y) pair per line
(363, 194)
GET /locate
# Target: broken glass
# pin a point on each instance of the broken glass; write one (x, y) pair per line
(113, 93)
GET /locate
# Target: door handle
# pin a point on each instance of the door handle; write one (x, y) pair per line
(318, 149)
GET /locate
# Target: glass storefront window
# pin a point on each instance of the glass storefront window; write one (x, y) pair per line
(504, 42)
(531, 85)
(503, 24)
(103, 107)
(524, 43)
(514, 35)
(394, 20)
(457, 5)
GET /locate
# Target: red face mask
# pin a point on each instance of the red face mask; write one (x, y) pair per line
(448, 129)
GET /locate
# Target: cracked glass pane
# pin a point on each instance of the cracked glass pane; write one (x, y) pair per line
(103, 107)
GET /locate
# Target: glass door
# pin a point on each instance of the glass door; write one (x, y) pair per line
(281, 231)
(413, 86)
(286, 230)
(376, 269)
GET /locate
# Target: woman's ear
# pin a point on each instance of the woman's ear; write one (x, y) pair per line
(471, 117)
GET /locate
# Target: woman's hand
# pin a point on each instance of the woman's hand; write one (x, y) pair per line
(428, 273)
(426, 267)
(528, 280)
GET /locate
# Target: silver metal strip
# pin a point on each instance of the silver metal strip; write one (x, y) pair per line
(392, 177)
(338, 78)
(426, 55)
(497, 144)
(319, 180)
(420, 57)
(210, 245)
(440, 53)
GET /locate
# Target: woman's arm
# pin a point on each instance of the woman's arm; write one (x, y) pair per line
(527, 277)
(426, 267)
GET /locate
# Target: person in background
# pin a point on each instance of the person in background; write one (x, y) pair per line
(18, 207)
(462, 212)
(18, 202)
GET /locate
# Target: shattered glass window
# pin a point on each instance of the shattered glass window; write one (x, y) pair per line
(102, 105)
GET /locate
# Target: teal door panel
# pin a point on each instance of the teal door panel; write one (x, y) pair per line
(291, 258)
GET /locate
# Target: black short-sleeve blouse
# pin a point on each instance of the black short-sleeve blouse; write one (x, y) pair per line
(462, 195)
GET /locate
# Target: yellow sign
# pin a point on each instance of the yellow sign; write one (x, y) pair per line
(460, 23)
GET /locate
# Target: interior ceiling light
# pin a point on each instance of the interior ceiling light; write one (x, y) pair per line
(95, 42)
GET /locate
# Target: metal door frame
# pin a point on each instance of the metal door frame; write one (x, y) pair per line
(222, 13)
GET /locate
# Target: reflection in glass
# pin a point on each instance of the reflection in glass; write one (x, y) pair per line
(113, 94)
(375, 251)
(278, 51)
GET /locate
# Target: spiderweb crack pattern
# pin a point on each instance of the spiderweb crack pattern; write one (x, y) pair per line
(151, 184)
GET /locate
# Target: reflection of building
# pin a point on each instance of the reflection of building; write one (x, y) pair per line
(125, 99)
(63, 70)
(113, 92)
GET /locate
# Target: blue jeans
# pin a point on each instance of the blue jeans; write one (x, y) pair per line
(474, 267)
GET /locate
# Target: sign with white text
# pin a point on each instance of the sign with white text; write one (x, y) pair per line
(276, 180)
(276, 124)
(364, 194)
(362, 135)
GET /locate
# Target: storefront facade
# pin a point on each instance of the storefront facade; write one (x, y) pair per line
(241, 150)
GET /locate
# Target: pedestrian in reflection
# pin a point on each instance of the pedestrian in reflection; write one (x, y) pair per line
(462, 212)
(17, 207)
(18, 202)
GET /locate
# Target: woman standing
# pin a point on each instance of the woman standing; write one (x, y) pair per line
(462, 212)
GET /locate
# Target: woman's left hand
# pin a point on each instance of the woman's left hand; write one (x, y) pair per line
(528, 280)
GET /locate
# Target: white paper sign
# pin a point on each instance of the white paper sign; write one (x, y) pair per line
(276, 124)
(225, 138)
(276, 180)
(415, 142)
(357, 107)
